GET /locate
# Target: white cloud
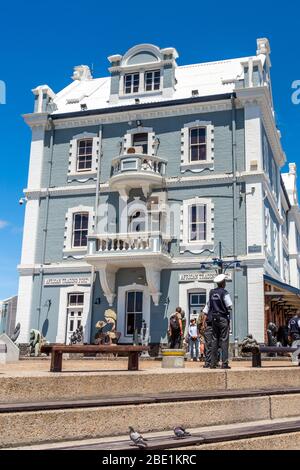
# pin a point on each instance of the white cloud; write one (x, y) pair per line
(3, 224)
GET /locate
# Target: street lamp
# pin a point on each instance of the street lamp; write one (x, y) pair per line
(220, 264)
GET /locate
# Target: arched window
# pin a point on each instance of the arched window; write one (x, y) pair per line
(137, 221)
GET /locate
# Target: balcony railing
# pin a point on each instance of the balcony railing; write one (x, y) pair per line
(138, 162)
(122, 243)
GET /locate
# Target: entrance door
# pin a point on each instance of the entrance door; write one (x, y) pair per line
(197, 301)
(74, 314)
(133, 312)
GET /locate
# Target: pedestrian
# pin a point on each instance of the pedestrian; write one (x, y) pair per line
(294, 335)
(201, 324)
(207, 336)
(218, 308)
(175, 330)
(193, 339)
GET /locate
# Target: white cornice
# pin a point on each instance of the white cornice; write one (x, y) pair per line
(131, 115)
(261, 96)
(55, 268)
(36, 119)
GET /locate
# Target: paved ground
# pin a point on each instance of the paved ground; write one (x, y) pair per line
(41, 366)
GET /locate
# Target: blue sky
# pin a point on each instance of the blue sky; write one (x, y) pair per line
(42, 41)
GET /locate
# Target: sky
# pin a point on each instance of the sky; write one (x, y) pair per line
(41, 42)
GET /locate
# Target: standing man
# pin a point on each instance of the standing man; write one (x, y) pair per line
(294, 335)
(207, 336)
(218, 307)
(175, 330)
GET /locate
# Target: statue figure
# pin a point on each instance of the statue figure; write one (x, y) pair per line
(107, 333)
(16, 333)
(36, 341)
(272, 334)
(77, 336)
(249, 344)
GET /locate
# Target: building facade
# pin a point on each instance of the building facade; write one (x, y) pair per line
(135, 179)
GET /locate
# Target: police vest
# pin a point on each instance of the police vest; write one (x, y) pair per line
(217, 303)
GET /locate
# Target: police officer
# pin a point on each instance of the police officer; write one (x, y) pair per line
(294, 335)
(218, 313)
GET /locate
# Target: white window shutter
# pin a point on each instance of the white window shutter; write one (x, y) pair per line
(210, 142)
(127, 142)
(72, 156)
(185, 145)
(151, 143)
(95, 153)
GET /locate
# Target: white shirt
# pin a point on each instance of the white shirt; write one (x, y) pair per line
(193, 331)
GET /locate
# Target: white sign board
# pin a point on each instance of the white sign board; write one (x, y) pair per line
(67, 281)
(200, 276)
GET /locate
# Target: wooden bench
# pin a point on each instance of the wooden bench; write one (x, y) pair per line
(256, 355)
(57, 350)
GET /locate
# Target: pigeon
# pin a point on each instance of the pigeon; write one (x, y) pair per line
(180, 432)
(137, 438)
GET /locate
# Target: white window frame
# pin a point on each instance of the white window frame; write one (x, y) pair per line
(196, 246)
(198, 222)
(73, 170)
(186, 163)
(76, 308)
(83, 170)
(134, 313)
(126, 74)
(77, 230)
(121, 308)
(152, 81)
(198, 144)
(268, 231)
(68, 234)
(128, 139)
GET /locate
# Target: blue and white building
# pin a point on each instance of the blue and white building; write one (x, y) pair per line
(135, 178)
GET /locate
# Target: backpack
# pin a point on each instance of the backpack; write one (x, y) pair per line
(174, 324)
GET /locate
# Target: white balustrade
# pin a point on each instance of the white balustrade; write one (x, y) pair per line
(128, 242)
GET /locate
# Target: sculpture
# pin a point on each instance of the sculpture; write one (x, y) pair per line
(77, 336)
(272, 334)
(107, 333)
(16, 333)
(249, 345)
(36, 341)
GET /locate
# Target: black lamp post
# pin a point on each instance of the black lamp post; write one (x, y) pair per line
(220, 264)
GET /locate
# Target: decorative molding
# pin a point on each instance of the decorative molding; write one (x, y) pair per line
(196, 247)
(153, 281)
(68, 248)
(107, 276)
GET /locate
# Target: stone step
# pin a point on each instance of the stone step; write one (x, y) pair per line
(82, 423)
(264, 434)
(46, 386)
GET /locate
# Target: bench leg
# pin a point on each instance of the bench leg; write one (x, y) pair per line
(56, 361)
(133, 361)
(256, 359)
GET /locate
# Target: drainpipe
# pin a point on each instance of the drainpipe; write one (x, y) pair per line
(234, 206)
(45, 229)
(93, 273)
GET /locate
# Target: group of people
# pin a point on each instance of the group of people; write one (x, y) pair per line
(207, 336)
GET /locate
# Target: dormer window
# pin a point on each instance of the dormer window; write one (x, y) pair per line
(141, 140)
(131, 83)
(152, 80)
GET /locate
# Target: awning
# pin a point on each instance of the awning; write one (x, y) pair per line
(284, 293)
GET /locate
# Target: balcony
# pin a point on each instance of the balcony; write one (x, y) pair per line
(110, 252)
(137, 170)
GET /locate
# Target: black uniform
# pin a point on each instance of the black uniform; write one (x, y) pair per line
(219, 316)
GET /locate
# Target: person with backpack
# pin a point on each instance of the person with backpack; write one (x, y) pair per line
(175, 330)
(294, 335)
(218, 313)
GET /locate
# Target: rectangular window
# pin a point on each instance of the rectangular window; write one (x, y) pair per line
(197, 144)
(141, 140)
(80, 229)
(131, 83)
(197, 301)
(134, 311)
(84, 154)
(152, 80)
(197, 222)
